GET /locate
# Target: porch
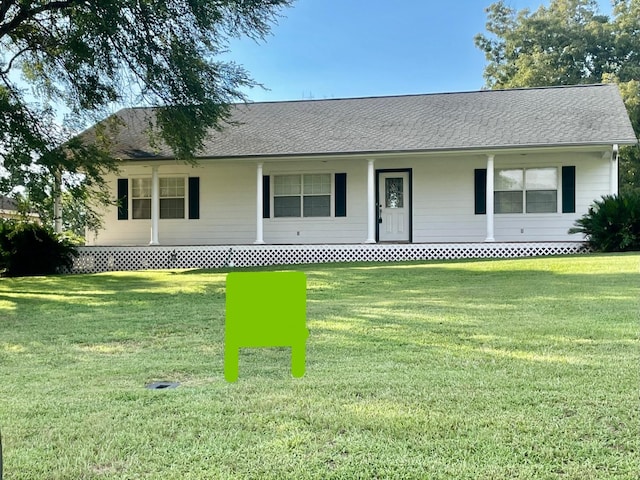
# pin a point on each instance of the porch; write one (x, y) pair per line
(123, 258)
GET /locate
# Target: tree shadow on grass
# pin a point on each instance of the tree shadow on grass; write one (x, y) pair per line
(382, 306)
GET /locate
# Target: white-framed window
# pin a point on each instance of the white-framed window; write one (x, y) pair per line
(541, 185)
(141, 198)
(307, 195)
(530, 190)
(172, 197)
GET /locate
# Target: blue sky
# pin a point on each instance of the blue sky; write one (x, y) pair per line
(354, 48)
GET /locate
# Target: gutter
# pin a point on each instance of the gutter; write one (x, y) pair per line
(476, 150)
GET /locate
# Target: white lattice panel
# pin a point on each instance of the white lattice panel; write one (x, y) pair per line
(103, 259)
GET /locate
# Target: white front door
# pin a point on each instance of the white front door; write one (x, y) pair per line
(393, 207)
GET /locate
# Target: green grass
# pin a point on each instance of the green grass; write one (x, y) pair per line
(487, 369)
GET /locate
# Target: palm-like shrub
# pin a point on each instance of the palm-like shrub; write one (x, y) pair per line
(612, 223)
(31, 249)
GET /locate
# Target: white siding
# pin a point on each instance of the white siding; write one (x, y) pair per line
(228, 208)
(443, 202)
(592, 182)
(349, 229)
(443, 197)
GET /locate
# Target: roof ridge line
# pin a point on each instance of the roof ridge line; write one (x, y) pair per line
(401, 95)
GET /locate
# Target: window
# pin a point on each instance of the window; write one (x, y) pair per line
(316, 195)
(534, 190)
(509, 186)
(141, 197)
(172, 197)
(394, 195)
(542, 190)
(286, 195)
(302, 195)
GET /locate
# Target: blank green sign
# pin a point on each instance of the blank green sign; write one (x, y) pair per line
(265, 309)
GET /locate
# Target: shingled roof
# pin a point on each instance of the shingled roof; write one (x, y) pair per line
(8, 204)
(484, 120)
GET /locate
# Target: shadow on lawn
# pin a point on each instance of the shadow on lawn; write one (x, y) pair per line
(502, 314)
(388, 307)
(361, 285)
(106, 307)
(77, 293)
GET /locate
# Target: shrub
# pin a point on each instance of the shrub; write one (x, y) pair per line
(612, 223)
(31, 249)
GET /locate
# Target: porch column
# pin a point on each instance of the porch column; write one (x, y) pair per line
(613, 171)
(57, 202)
(155, 205)
(259, 209)
(490, 206)
(371, 203)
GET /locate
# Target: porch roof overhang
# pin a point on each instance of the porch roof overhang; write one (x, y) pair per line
(596, 148)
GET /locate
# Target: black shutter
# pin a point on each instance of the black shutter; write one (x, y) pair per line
(266, 194)
(568, 189)
(194, 198)
(341, 195)
(480, 191)
(123, 199)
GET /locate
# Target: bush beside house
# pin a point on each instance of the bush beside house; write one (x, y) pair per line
(612, 223)
(32, 249)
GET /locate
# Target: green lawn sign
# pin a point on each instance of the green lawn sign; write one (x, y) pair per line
(265, 309)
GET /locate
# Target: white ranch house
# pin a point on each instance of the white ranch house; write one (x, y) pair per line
(481, 168)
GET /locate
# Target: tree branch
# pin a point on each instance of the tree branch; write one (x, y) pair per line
(10, 64)
(5, 5)
(24, 14)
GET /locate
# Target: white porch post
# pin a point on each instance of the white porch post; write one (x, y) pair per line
(259, 207)
(57, 203)
(155, 205)
(371, 203)
(490, 206)
(613, 171)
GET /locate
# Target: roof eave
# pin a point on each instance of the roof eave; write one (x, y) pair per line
(480, 149)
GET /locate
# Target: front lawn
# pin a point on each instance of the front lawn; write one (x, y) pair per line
(506, 369)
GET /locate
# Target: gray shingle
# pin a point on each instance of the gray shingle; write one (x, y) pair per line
(492, 119)
(8, 204)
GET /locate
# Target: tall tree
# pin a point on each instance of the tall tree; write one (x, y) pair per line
(569, 42)
(85, 57)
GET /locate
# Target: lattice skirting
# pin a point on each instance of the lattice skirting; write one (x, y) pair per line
(102, 259)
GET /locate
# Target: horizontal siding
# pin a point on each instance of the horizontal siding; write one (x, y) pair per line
(592, 181)
(228, 209)
(441, 215)
(443, 202)
(349, 229)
